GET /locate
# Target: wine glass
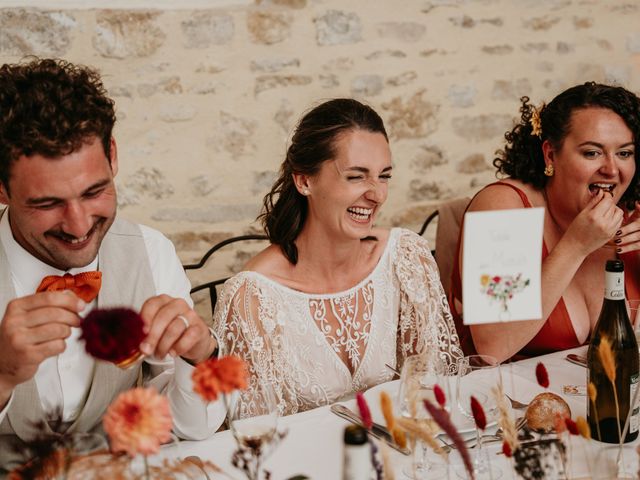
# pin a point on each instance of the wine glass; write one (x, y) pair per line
(420, 373)
(478, 375)
(253, 418)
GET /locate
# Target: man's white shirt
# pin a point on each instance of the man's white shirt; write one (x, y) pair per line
(63, 381)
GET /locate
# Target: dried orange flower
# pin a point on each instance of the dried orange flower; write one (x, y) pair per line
(138, 421)
(215, 376)
(536, 121)
(607, 359)
(583, 427)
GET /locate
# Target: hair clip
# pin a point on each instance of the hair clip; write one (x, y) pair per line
(536, 121)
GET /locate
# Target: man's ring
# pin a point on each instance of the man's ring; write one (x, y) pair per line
(184, 320)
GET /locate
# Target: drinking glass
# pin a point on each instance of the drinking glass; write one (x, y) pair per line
(614, 463)
(420, 373)
(478, 375)
(253, 420)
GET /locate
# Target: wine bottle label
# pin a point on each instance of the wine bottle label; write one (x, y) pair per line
(634, 423)
(614, 285)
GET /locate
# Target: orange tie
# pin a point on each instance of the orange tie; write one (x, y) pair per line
(86, 285)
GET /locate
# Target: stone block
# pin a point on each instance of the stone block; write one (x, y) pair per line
(127, 33)
(271, 65)
(535, 47)
(269, 27)
(236, 135)
(428, 156)
(462, 96)
(482, 127)
(268, 82)
(35, 32)
(262, 182)
(296, 4)
(284, 116)
(329, 81)
(412, 117)
(177, 112)
(207, 28)
(564, 48)
(463, 21)
(404, 78)
(209, 214)
(582, 22)
(366, 85)
(385, 54)
(338, 28)
(408, 32)
(150, 182)
(412, 217)
(511, 89)
(540, 23)
(474, 163)
(497, 49)
(201, 185)
(424, 190)
(633, 42)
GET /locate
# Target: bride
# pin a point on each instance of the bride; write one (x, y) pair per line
(320, 311)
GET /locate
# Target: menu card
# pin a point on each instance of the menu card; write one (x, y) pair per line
(502, 262)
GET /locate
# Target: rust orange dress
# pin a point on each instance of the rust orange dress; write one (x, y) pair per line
(557, 332)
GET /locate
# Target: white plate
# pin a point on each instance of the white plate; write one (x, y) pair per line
(465, 425)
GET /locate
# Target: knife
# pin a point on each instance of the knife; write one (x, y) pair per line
(577, 359)
(378, 431)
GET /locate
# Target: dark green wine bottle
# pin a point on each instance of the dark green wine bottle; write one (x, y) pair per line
(607, 415)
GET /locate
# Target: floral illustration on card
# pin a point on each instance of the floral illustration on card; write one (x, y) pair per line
(502, 288)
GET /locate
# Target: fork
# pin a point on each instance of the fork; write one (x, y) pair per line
(516, 404)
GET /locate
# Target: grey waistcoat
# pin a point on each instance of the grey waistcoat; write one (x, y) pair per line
(126, 281)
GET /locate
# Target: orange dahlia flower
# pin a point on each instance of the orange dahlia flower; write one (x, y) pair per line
(215, 376)
(138, 421)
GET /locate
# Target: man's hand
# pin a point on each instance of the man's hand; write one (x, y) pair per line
(175, 328)
(33, 329)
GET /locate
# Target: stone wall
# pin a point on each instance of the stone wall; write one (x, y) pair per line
(207, 98)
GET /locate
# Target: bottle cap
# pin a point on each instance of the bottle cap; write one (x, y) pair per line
(355, 435)
(615, 266)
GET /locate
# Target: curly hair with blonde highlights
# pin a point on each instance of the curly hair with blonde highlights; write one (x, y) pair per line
(50, 107)
(522, 156)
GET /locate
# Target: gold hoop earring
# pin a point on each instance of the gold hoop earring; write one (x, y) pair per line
(548, 170)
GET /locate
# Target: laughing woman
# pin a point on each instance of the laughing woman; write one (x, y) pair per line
(576, 158)
(320, 311)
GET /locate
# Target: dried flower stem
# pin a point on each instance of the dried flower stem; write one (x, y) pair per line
(593, 394)
(609, 365)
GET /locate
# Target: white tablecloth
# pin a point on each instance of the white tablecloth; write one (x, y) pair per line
(313, 445)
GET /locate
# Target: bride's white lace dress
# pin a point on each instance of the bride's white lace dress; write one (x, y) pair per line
(317, 348)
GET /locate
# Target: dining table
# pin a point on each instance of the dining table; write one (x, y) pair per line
(313, 442)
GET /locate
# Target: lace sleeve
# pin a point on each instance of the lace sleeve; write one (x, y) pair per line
(425, 320)
(247, 322)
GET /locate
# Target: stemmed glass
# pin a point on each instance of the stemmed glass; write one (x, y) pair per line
(420, 373)
(253, 419)
(478, 375)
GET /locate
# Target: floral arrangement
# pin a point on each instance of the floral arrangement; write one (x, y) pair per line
(138, 421)
(219, 376)
(113, 335)
(503, 288)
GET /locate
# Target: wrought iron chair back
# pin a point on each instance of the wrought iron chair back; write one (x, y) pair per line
(212, 284)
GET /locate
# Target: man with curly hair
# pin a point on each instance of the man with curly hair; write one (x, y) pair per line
(58, 160)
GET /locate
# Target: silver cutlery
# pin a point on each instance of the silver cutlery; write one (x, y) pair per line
(577, 359)
(378, 431)
(516, 404)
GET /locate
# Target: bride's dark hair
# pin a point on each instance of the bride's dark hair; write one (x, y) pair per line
(284, 208)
